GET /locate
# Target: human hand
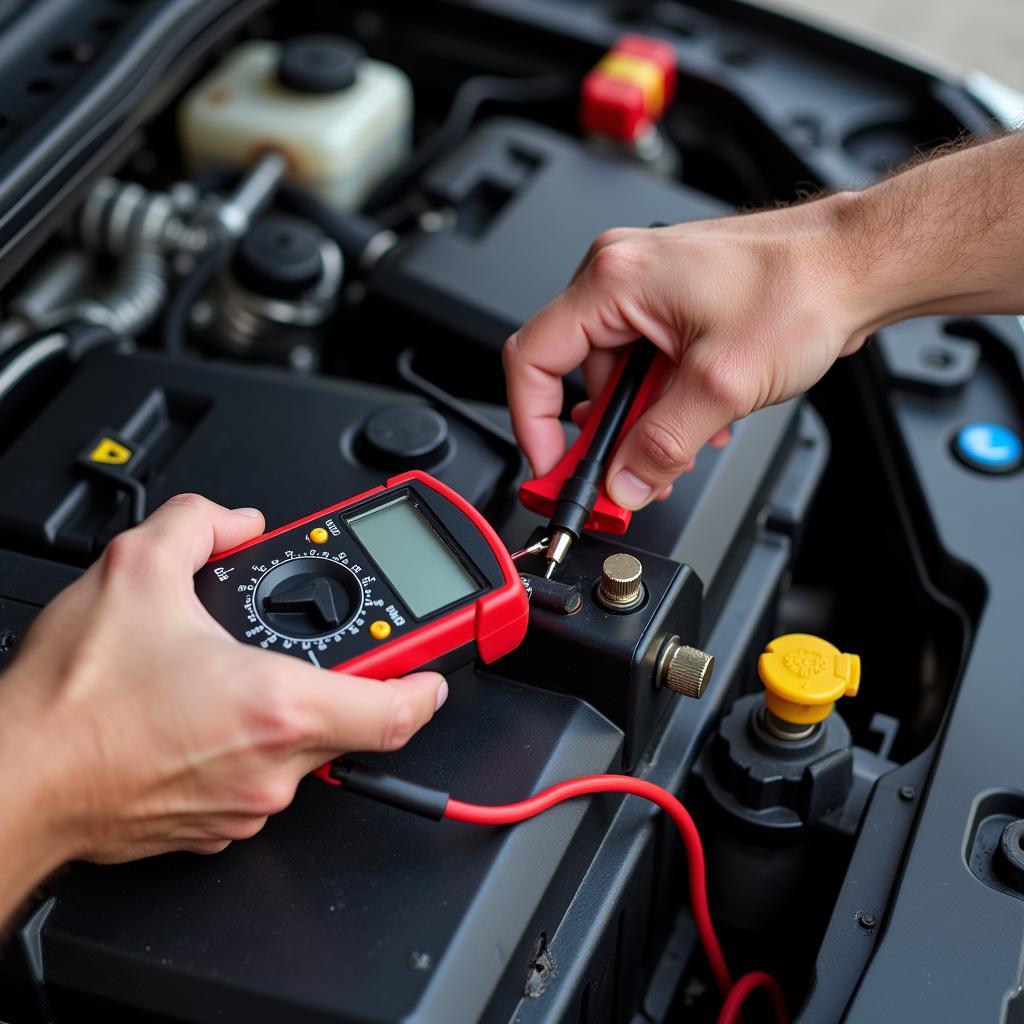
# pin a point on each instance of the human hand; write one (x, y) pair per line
(753, 310)
(132, 724)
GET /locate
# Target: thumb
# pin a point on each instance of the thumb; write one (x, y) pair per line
(357, 714)
(664, 442)
(191, 528)
(568, 332)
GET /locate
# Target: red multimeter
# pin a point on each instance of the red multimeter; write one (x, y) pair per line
(389, 581)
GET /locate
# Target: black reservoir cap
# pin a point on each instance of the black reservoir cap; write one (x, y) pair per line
(404, 437)
(319, 63)
(280, 257)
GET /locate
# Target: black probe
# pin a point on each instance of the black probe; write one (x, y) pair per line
(580, 491)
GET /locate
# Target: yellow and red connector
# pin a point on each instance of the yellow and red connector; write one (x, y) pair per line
(630, 88)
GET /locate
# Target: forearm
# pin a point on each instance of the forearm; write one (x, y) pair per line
(944, 236)
(30, 846)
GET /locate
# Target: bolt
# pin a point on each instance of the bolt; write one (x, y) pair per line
(420, 961)
(908, 792)
(8, 638)
(867, 921)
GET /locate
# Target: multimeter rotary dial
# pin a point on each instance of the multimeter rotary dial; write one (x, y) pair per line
(303, 597)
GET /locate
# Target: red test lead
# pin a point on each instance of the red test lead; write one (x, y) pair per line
(573, 494)
(431, 803)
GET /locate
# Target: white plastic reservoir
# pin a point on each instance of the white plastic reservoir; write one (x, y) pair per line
(343, 130)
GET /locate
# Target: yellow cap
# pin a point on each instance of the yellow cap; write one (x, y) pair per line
(804, 676)
(318, 535)
(380, 630)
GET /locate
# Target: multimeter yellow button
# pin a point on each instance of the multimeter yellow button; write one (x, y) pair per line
(319, 535)
(380, 630)
(804, 676)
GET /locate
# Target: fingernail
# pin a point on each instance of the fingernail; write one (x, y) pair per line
(629, 491)
(442, 694)
(251, 512)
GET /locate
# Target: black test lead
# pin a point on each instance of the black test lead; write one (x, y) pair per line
(580, 491)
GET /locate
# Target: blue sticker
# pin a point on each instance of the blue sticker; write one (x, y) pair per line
(989, 446)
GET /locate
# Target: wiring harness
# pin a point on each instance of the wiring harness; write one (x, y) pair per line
(437, 805)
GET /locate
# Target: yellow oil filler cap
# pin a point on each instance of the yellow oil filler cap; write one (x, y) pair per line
(804, 676)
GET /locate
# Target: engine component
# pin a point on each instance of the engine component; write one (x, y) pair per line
(280, 257)
(629, 90)
(803, 677)
(61, 279)
(397, 436)
(344, 120)
(625, 96)
(251, 195)
(281, 283)
(135, 299)
(777, 766)
(145, 230)
(503, 184)
(119, 216)
(612, 656)
(299, 447)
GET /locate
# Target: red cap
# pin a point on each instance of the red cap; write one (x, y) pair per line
(612, 106)
(656, 50)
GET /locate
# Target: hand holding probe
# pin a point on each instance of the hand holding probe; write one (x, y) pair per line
(573, 494)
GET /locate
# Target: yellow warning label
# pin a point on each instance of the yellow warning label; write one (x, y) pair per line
(110, 452)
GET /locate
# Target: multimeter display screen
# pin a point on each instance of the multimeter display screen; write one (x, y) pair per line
(421, 567)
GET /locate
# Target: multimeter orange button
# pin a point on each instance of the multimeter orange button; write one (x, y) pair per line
(380, 630)
(319, 535)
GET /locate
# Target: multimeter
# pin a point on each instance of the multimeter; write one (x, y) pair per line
(395, 579)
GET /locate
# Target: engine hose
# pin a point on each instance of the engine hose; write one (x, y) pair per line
(174, 330)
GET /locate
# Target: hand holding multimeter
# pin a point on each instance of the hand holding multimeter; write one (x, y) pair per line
(410, 574)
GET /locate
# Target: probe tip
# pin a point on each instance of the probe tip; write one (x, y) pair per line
(561, 541)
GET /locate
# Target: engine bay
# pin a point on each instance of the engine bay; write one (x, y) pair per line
(269, 253)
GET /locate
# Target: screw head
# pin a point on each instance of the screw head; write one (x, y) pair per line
(908, 792)
(867, 921)
(1009, 857)
(420, 961)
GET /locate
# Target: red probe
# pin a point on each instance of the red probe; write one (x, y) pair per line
(573, 494)
(434, 804)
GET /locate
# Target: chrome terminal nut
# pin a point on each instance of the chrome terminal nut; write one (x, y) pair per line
(686, 670)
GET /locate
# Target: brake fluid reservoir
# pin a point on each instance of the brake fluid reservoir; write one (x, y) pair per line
(343, 120)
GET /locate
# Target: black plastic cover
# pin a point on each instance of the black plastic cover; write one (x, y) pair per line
(240, 436)
(501, 261)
